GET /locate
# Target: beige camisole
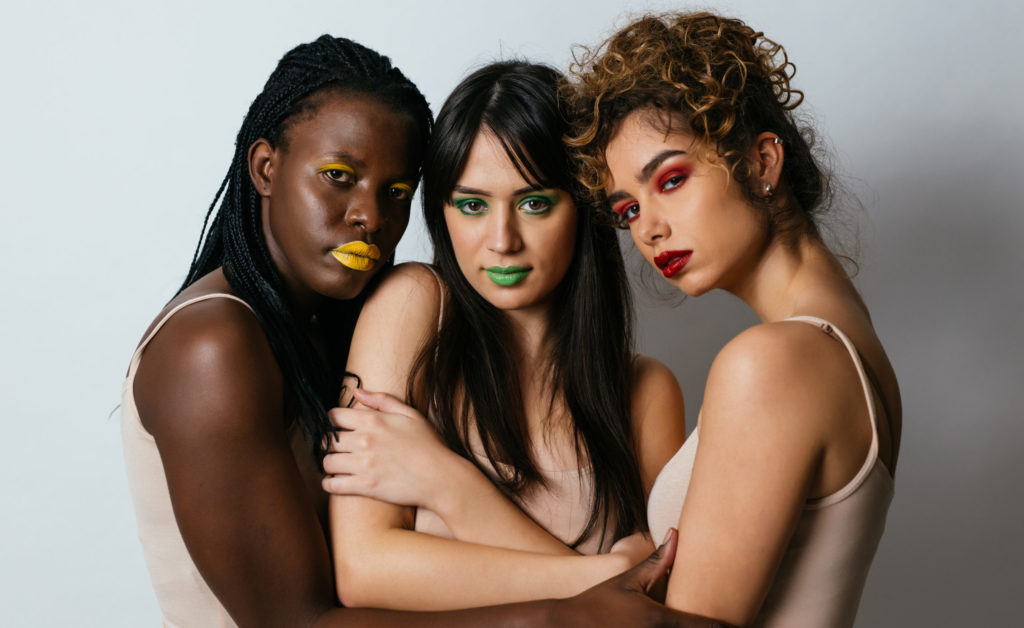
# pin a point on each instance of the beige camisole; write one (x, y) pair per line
(825, 565)
(562, 507)
(185, 599)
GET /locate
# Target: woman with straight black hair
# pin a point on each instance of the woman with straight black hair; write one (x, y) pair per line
(224, 404)
(518, 349)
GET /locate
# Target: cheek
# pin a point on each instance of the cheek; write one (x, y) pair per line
(461, 235)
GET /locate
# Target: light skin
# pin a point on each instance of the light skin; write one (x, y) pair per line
(243, 487)
(784, 417)
(495, 219)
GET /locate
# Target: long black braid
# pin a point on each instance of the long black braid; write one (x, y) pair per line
(234, 233)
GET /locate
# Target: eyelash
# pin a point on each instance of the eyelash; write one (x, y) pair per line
(476, 206)
(462, 203)
(628, 211)
(624, 212)
(404, 191)
(548, 204)
(678, 176)
(339, 173)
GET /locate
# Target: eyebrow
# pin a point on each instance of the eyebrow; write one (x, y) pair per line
(355, 161)
(461, 189)
(645, 173)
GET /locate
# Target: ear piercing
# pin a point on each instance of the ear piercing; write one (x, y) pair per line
(767, 189)
(776, 140)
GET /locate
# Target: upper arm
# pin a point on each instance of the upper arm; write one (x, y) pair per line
(760, 446)
(396, 321)
(658, 416)
(209, 391)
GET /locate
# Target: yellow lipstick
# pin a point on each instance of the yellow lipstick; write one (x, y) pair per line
(357, 255)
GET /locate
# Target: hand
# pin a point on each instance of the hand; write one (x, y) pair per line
(388, 452)
(625, 600)
(633, 548)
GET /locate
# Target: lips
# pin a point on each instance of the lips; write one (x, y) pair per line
(357, 255)
(507, 275)
(671, 262)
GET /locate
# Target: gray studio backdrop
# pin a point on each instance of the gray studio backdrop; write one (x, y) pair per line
(119, 122)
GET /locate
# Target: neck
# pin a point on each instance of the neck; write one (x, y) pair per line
(778, 284)
(529, 329)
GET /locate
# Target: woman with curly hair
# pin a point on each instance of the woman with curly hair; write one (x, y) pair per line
(685, 126)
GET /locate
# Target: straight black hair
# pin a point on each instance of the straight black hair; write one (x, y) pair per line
(467, 376)
(235, 239)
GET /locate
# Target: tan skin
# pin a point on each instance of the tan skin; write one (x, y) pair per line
(245, 493)
(784, 418)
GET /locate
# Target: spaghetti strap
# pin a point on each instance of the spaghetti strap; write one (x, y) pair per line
(134, 364)
(444, 294)
(869, 396)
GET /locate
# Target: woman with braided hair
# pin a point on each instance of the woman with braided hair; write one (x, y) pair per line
(224, 405)
(685, 125)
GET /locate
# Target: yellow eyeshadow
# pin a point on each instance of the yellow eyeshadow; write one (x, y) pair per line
(403, 186)
(343, 167)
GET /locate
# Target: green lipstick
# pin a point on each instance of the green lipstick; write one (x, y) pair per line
(507, 275)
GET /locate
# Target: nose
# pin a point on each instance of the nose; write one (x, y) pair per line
(364, 210)
(650, 225)
(503, 232)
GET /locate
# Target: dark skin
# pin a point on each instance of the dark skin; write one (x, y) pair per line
(245, 493)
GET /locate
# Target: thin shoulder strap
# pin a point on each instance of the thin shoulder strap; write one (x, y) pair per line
(869, 396)
(145, 341)
(444, 294)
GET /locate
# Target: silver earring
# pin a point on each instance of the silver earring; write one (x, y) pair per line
(767, 189)
(776, 141)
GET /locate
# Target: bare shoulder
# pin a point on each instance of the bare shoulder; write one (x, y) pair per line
(652, 381)
(411, 285)
(784, 373)
(204, 368)
(395, 324)
(786, 352)
(658, 415)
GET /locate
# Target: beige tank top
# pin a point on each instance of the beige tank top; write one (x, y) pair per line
(562, 507)
(823, 570)
(185, 599)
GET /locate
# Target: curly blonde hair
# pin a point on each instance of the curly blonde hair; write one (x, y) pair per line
(717, 76)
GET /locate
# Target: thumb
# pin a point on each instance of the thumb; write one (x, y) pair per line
(383, 402)
(645, 575)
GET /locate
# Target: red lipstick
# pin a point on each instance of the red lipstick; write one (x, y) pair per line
(671, 262)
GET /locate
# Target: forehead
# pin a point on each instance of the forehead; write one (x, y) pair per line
(357, 125)
(639, 137)
(489, 167)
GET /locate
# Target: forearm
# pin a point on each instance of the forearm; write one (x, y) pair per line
(475, 510)
(533, 614)
(404, 569)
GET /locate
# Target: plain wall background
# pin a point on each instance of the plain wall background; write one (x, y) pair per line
(119, 120)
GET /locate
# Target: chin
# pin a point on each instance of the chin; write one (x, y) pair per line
(690, 286)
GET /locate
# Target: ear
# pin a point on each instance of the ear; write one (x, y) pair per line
(767, 155)
(262, 162)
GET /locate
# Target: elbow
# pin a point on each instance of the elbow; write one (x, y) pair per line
(356, 581)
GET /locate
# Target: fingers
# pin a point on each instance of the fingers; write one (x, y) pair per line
(341, 463)
(646, 574)
(384, 402)
(353, 419)
(347, 485)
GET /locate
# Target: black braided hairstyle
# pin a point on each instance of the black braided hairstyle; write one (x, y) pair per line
(235, 240)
